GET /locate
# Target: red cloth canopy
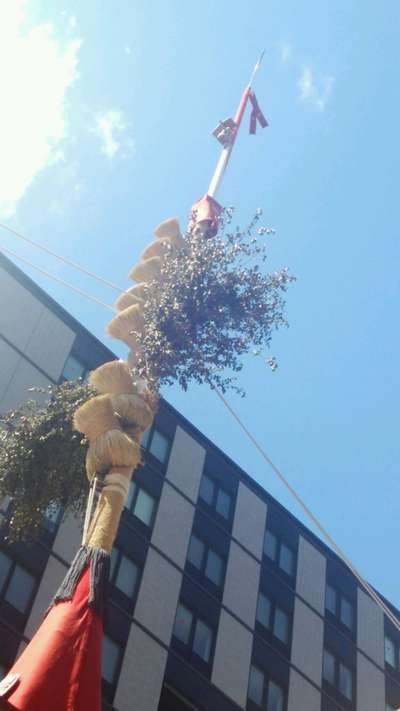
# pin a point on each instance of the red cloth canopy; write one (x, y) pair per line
(60, 669)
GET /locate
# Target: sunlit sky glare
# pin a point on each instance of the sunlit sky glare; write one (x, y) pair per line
(105, 130)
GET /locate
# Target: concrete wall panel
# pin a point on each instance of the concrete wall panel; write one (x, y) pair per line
(311, 575)
(241, 584)
(249, 521)
(370, 629)
(158, 596)
(307, 641)
(142, 673)
(370, 685)
(25, 377)
(50, 344)
(302, 695)
(186, 462)
(9, 359)
(51, 580)
(19, 311)
(68, 538)
(232, 659)
(173, 525)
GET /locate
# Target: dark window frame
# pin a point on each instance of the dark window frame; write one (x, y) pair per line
(274, 606)
(131, 509)
(108, 688)
(186, 649)
(275, 562)
(120, 597)
(212, 507)
(149, 434)
(396, 646)
(336, 685)
(336, 616)
(85, 366)
(19, 617)
(268, 678)
(203, 566)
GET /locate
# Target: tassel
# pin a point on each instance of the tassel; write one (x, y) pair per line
(99, 561)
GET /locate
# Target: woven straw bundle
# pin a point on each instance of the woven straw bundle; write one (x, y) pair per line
(132, 411)
(108, 445)
(125, 323)
(95, 417)
(108, 513)
(157, 248)
(148, 270)
(114, 378)
(114, 448)
(170, 229)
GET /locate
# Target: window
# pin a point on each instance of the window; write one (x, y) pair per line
(273, 618)
(73, 369)
(265, 692)
(391, 652)
(140, 503)
(16, 584)
(340, 606)
(280, 553)
(194, 633)
(111, 656)
(214, 496)
(157, 444)
(206, 560)
(124, 573)
(336, 673)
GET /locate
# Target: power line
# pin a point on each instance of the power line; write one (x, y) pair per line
(70, 263)
(58, 279)
(310, 514)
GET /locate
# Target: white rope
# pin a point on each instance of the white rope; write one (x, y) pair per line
(59, 280)
(70, 263)
(89, 509)
(310, 514)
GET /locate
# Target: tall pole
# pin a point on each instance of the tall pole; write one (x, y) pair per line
(227, 150)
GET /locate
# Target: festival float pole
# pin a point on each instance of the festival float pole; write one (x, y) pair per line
(61, 667)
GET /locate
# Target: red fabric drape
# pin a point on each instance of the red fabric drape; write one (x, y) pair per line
(60, 669)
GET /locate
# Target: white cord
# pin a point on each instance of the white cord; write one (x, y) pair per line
(312, 516)
(59, 280)
(62, 259)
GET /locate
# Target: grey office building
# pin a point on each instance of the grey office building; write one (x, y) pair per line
(219, 598)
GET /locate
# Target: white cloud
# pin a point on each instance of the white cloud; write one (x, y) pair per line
(36, 70)
(316, 93)
(109, 125)
(285, 51)
(128, 49)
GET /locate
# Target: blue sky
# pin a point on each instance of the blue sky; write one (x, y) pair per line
(105, 131)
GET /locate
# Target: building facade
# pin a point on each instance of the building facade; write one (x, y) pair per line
(220, 599)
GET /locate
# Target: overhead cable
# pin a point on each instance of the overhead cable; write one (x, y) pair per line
(58, 279)
(70, 263)
(367, 587)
